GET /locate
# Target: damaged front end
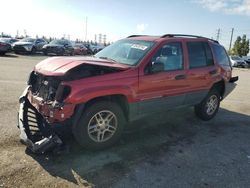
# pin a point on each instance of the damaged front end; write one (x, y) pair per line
(35, 131)
(40, 108)
(44, 112)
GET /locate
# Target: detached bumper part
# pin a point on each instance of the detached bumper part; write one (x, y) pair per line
(35, 131)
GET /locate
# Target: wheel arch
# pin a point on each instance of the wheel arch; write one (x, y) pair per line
(119, 99)
(220, 86)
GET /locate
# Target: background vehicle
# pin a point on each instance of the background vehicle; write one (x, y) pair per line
(80, 49)
(9, 40)
(238, 62)
(94, 97)
(96, 48)
(247, 60)
(28, 45)
(59, 47)
(5, 46)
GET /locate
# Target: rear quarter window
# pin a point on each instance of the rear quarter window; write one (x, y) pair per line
(220, 55)
(200, 54)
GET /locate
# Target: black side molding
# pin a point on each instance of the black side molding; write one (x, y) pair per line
(234, 79)
(180, 77)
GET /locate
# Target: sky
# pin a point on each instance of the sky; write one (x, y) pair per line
(120, 18)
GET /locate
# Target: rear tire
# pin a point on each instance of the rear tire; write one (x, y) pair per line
(100, 126)
(209, 106)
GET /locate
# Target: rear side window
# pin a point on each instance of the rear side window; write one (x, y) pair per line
(221, 55)
(200, 54)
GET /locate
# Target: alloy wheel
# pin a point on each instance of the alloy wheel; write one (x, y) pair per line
(212, 104)
(102, 126)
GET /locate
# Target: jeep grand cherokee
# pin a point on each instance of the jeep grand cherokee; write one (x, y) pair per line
(94, 97)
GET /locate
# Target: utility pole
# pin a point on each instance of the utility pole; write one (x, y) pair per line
(232, 33)
(86, 28)
(25, 33)
(218, 35)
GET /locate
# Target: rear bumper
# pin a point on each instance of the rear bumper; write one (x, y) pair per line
(36, 133)
(5, 49)
(53, 50)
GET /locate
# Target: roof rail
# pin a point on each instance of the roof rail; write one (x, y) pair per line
(136, 36)
(183, 35)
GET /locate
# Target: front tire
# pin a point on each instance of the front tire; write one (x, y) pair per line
(61, 52)
(209, 106)
(100, 126)
(33, 51)
(45, 52)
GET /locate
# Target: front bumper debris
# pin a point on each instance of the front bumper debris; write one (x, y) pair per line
(35, 131)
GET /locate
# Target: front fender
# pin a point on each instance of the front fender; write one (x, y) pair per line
(91, 93)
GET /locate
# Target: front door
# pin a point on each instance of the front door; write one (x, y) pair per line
(162, 90)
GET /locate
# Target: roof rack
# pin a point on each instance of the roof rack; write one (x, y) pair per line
(183, 35)
(136, 36)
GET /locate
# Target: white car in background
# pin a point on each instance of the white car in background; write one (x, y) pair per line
(236, 61)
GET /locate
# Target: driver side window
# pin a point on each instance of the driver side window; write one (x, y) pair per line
(170, 55)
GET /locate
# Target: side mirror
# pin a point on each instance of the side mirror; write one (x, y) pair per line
(157, 67)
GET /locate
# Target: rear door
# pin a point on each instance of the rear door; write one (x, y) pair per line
(201, 71)
(163, 90)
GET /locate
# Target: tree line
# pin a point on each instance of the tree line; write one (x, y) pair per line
(241, 46)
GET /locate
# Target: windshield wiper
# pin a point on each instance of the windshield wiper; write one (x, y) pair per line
(107, 58)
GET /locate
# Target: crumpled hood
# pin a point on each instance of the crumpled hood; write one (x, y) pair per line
(58, 66)
(23, 43)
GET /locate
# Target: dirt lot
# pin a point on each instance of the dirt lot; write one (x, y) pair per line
(168, 150)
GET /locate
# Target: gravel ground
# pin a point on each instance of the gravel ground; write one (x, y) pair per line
(174, 149)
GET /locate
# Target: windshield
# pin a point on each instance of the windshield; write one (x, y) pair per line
(27, 40)
(60, 42)
(128, 52)
(235, 58)
(5, 40)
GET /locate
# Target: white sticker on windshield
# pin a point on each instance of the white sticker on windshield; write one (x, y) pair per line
(138, 46)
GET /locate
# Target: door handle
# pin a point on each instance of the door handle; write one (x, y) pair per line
(180, 77)
(213, 72)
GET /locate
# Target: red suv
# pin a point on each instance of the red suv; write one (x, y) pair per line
(94, 97)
